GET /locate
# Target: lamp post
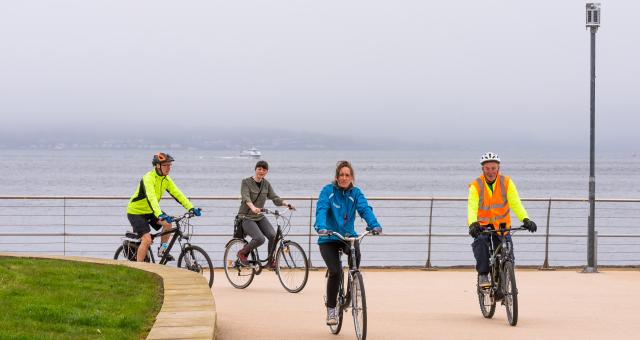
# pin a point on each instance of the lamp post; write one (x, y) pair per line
(593, 22)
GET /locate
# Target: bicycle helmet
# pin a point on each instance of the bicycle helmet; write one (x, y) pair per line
(489, 157)
(161, 157)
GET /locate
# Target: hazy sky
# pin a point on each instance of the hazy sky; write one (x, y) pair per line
(428, 71)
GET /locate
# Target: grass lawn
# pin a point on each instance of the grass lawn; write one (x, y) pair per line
(55, 299)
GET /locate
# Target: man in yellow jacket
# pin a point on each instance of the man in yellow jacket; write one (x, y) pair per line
(144, 210)
(492, 196)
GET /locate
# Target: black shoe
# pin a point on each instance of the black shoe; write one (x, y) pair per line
(483, 281)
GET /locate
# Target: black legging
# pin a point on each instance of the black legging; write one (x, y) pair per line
(330, 254)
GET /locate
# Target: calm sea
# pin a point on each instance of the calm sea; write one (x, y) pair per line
(302, 174)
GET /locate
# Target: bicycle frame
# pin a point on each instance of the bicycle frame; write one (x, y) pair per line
(178, 235)
(353, 264)
(277, 242)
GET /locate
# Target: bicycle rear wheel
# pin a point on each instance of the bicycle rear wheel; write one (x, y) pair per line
(359, 306)
(486, 300)
(510, 292)
(197, 260)
(239, 276)
(292, 267)
(128, 254)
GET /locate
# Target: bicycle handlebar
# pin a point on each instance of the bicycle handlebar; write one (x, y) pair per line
(346, 239)
(274, 212)
(501, 230)
(188, 214)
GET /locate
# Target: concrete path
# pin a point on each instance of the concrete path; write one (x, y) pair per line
(441, 304)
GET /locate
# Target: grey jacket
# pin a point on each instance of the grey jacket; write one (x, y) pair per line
(249, 193)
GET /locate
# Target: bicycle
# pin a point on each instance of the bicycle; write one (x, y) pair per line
(291, 263)
(501, 277)
(354, 296)
(191, 256)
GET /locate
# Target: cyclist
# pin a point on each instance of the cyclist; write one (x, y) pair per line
(254, 192)
(144, 210)
(492, 196)
(336, 211)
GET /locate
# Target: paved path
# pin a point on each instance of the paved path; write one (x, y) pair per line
(441, 304)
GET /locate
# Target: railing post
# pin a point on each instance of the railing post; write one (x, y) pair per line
(310, 229)
(428, 264)
(64, 226)
(545, 265)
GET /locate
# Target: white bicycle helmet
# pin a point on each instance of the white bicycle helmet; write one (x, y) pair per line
(489, 157)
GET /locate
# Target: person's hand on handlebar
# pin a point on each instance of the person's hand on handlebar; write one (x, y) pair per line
(529, 225)
(256, 210)
(196, 211)
(375, 230)
(323, 232)
(290, 206)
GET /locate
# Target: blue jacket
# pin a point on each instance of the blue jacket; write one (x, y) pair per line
(336, 211)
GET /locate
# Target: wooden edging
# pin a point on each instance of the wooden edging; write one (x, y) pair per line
(188, 308)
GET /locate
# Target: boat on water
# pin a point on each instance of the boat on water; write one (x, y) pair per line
(251, 153)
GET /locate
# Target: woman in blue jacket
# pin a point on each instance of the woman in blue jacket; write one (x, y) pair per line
(336, 211)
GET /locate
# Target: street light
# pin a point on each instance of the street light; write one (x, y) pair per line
(593, 22)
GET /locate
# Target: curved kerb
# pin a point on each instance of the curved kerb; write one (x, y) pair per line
(188, 308)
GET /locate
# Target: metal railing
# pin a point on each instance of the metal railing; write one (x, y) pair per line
(418, 231)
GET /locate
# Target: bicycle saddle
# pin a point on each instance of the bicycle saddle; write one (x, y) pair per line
(131, 235)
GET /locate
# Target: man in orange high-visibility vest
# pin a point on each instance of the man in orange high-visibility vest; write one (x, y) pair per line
(492, 196)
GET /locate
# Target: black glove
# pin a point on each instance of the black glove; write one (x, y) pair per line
(474, 229)
(529, 225)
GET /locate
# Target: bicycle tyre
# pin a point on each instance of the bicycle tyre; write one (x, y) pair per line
(487, 310)
(359, 306)
(239, 277)
(510, 292)
(292, 267)
(197, 260)
(335, 329)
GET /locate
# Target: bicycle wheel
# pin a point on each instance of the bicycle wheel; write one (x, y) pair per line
(335, 329)
(238, 275)
(292, 267)
(359, 306)
(510, 292)
(197, 260)
(487, 301)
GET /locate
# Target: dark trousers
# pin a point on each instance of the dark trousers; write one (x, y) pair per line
(481, 250)
(258, 230)
(331, 256)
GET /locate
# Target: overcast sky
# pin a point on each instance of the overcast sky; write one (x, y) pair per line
(429, 71)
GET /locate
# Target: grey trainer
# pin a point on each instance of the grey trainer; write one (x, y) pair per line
(483, 281)
(332, 316)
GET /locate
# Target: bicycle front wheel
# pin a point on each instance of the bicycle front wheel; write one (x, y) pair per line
(510, 292)
(239, 276)
(197, 260)
(292, 267)
(487, 301)
(359, 306)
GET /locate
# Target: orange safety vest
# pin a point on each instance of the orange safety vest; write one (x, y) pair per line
(493, 208)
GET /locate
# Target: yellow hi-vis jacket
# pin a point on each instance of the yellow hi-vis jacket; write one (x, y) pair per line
(146, 198)
(494, 206)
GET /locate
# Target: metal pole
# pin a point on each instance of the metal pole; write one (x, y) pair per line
(545, 265)
(591, 260)
(310, 229)
(428, 265)
(64, 226)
